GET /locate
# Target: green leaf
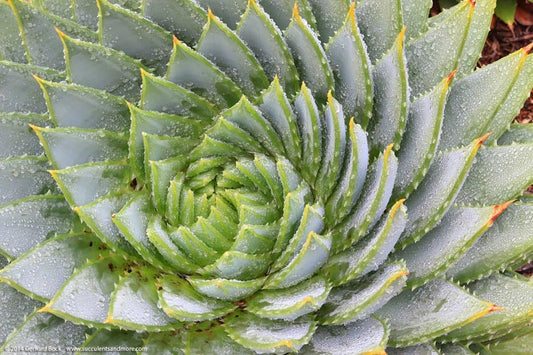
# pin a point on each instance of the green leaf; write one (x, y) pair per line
(102, 68)
(518, 345)
(264, 39)
(350, 65)
(170, 14)
(19, 92)
(66, 147)
(11, 47)
(513, 294)
(368, 336)
(420, 349)
(23, 177)
(456, 349)
(329, 16)
(429, 311)
(505, 10)
(436, 53)
(269, 335)
(489, 184)
(167, 343)
(238, 265)
(164, 96)
(194, 72)
(37, 27)
(83, 184)
(14, 307)
(390, 99)
(290, 303)
(134, 304)
(359, 299)
(17, 136)
(179, 300)
(420, 141)
(443, 245)
(375, 196)
(29, 221)
(81, 303)
(94, 108)
(371, 251)
(45, 331)
(309, 57)
(415, 17)
(281, 11)
(517, 133)
(115, 338)
(226, 289)
(506, 243)
(437, 191)
(136, 36)
(380, 23)
(229, 11)
(54, 260)
(492, 85)
(220, 45)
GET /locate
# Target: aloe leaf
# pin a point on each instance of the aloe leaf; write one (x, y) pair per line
(379, 22)
(97, 215)
(436, 53)
(19, 92)
(368, 336)
(390, 98)
(264, 38)
(281, 11)
(513, 294)
(456, 349)
(101, 68)
(85, 13)
(159, 237)
(195, 249)
(87, 305)
(492, 85)
(67, 147)
(72, 250)
(229, 11)
(517, 133)
(359, 299)
(14, 307)
(309, 57)
(44, 217)
(371, 251)
(211, 236)
(83, 184)
(477, 34)
(126, 31)
(179, 300)
(352, 175)
(164, 96)
(421, 349)
(158, 123)
(376, 193)
(443, 245)
(167, 343)
(226, 289)
(45, 331)
(487, 184)
(420, 141)
(329, 16)
(132, 220)
(220, 45)
(211, 339)
(429, 311)
(518, 345)
(194, 72)
(23, 177)
(308, 122)
(115, 338)
(17, 136)
(334, 146)
(292, 302)
(269, 335)
(169, 14)
(134, 304)
(352, 70)
(59, 8)
(11, 48)
(415, 17)
(238, 265)
(507, 242)
(446, 176)
(79, 106)
(37, 27)
(309, 259)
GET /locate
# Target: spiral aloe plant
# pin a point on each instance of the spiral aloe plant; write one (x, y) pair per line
(232, 176)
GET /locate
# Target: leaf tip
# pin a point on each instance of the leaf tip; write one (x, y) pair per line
(175, 40)
(295, 13)
(482, 139)
(528, 48)
(60, 33)
(450, 76)
(498, 209)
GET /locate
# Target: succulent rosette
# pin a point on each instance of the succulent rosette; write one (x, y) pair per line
(265, 176)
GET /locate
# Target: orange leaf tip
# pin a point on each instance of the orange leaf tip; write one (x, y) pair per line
(60, 33)
(528, 48)
(175, 40)
(450, 76)
(496, 308)
(295, 12)
(481, 139)
(498, 209)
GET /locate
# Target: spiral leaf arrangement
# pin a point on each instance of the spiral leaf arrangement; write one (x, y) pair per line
(262, 177)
